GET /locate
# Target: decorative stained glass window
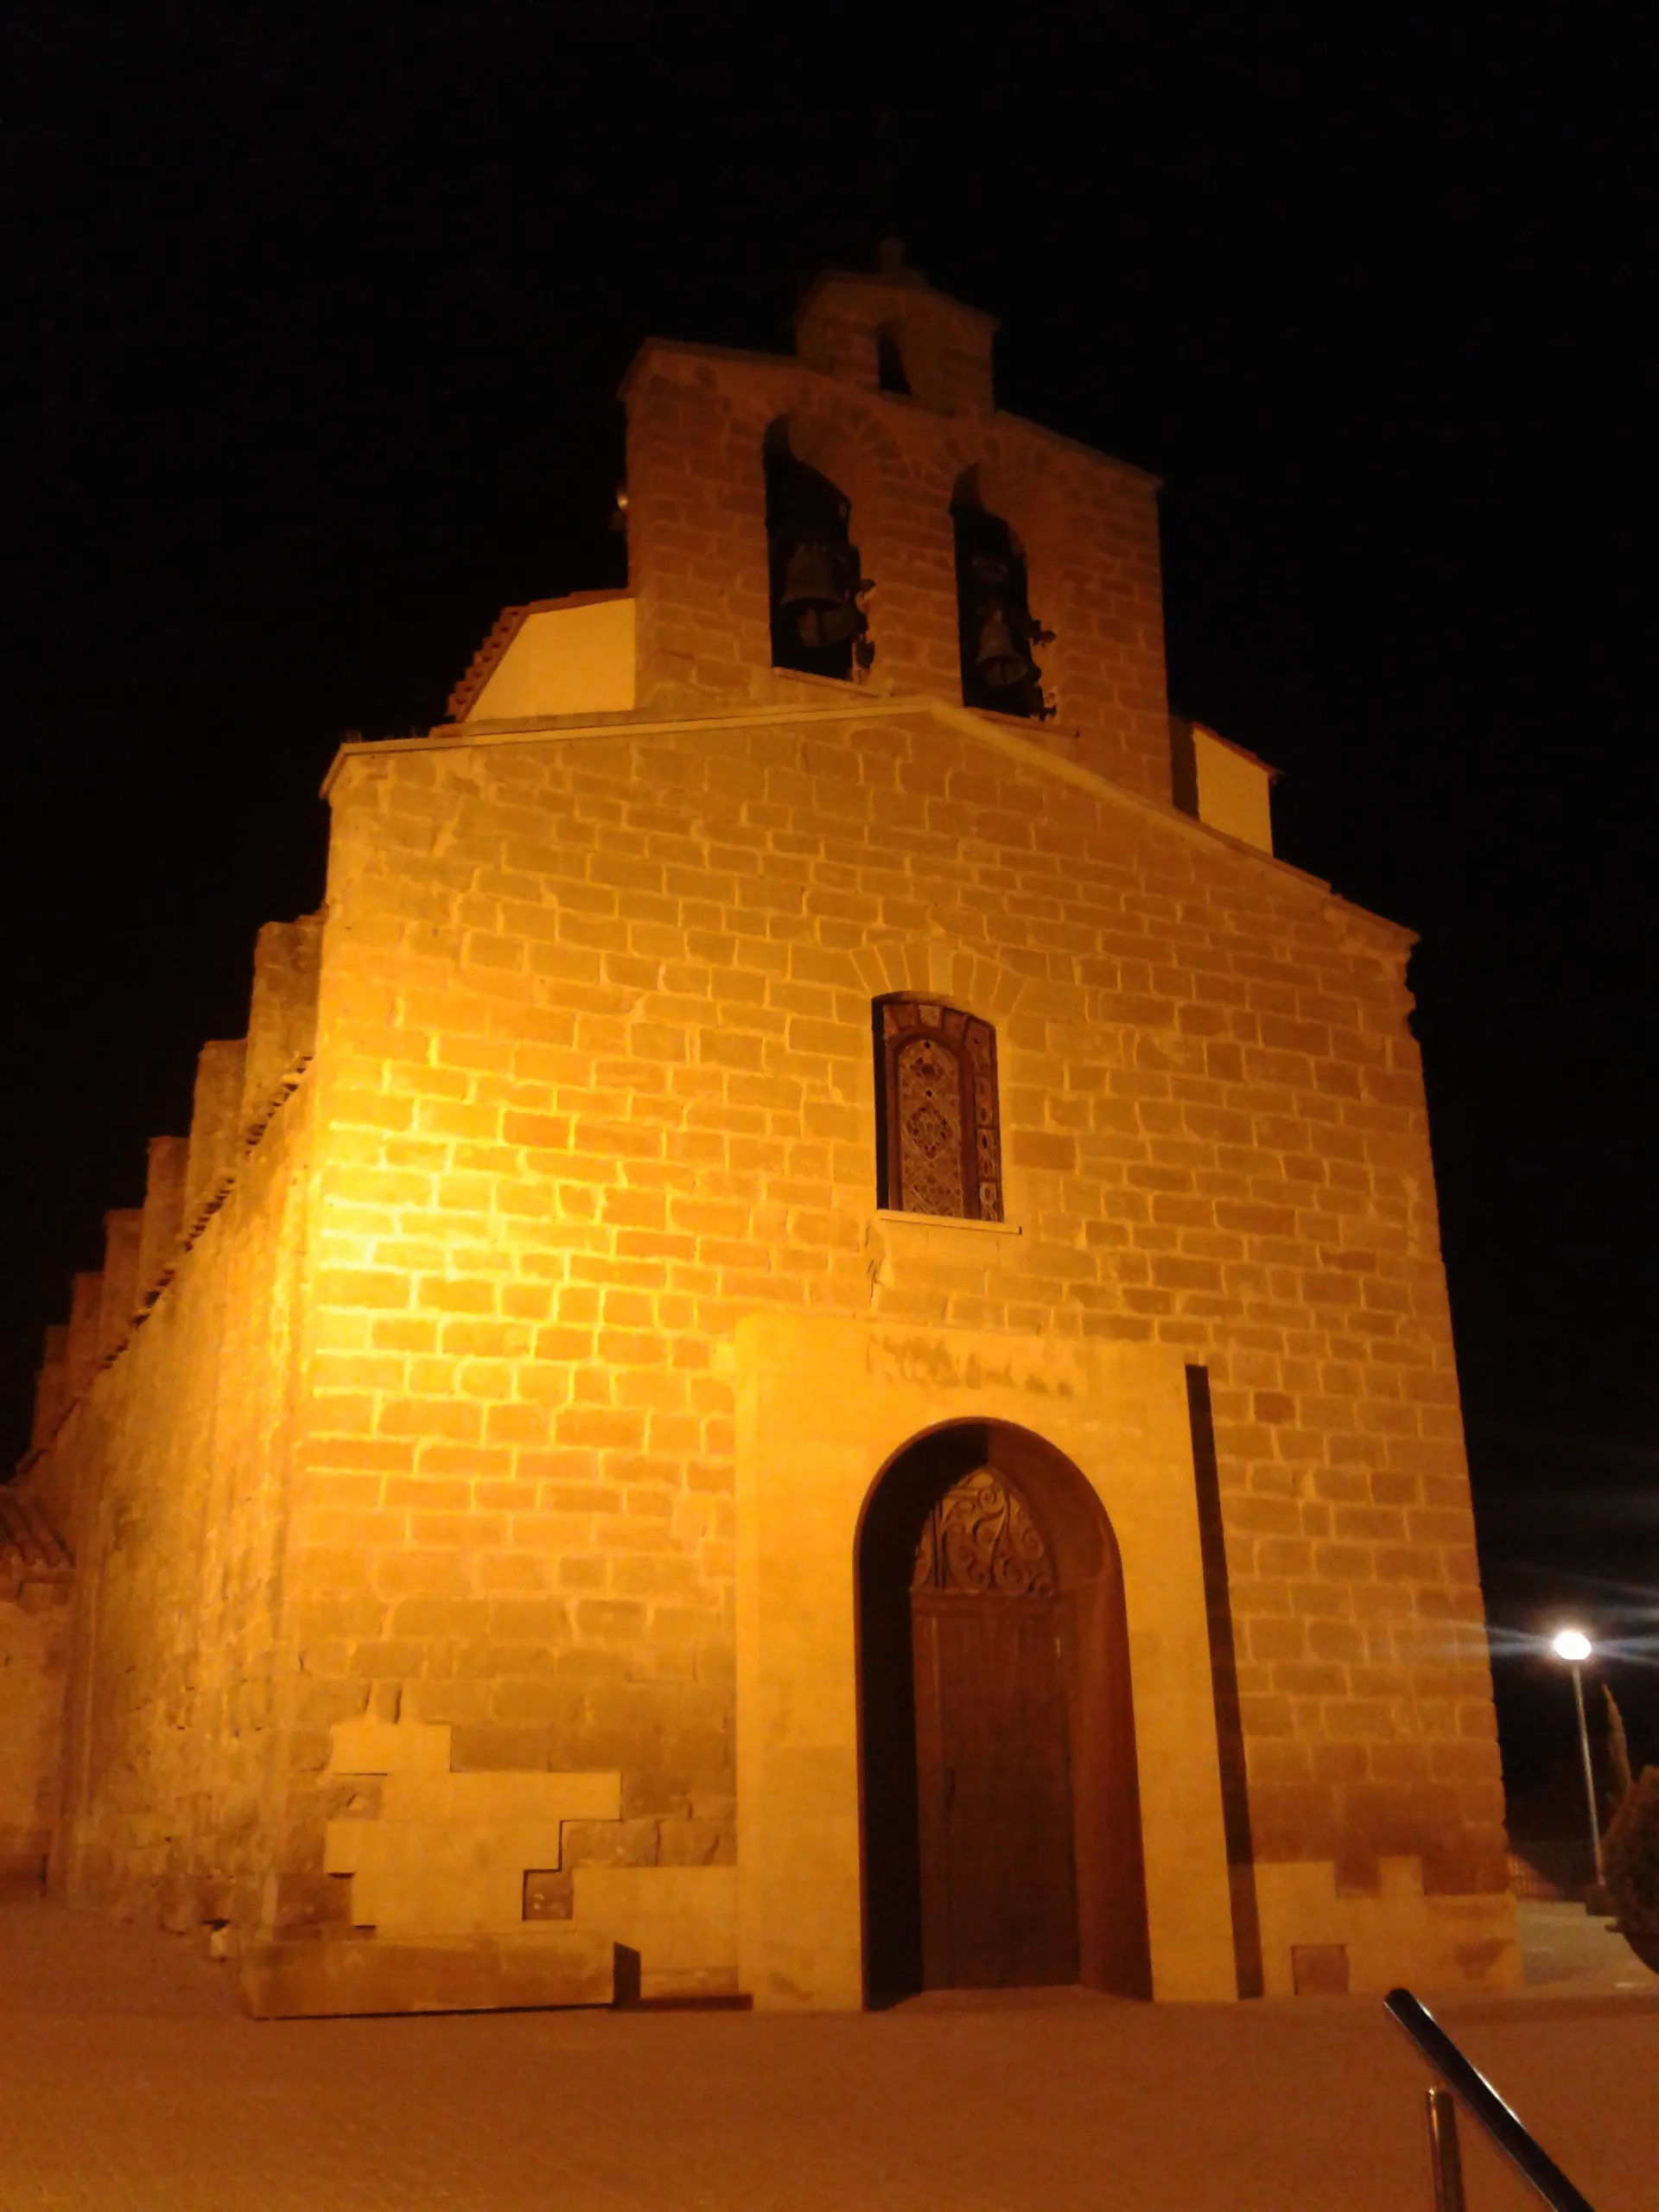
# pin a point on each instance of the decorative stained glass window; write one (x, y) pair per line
(939, 1145)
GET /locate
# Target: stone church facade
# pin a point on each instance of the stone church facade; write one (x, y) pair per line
(804, 1353)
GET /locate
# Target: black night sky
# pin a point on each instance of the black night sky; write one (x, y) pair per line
(312, 322)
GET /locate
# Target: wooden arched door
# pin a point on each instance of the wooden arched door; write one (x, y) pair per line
(994, 1789)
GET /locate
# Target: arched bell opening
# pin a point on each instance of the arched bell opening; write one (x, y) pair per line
(999, 1811)
(997, 632)
(818, 625)
(891, 374)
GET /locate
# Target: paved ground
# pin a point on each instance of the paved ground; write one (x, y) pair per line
(128, 2084)
(1569, 1953)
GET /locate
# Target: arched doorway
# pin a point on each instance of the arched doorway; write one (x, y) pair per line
(999, 1813)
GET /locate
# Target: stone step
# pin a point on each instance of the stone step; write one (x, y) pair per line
(331, 1976)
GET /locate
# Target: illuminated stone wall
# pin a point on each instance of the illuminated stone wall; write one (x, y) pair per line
(181, 1452)
(34, 1590)
(595, 1073)
(436, 1403)
(34, 1652)
(163, 1422)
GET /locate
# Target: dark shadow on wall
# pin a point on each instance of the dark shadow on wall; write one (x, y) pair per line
(1223, 1674)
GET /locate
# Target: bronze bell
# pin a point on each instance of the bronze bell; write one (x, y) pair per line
(810, 580)
(817, 595)
(998, 659)
(828, 625)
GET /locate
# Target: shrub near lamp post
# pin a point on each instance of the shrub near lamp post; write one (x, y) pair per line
(1574, 1646)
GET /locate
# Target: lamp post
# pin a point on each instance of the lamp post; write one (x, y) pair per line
(1573, 1645)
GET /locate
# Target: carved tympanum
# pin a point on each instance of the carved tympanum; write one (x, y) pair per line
(980, 1538)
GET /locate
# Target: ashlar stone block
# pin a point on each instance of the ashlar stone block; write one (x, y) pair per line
(449, 1854)
(540, 1965)
(370, 1747)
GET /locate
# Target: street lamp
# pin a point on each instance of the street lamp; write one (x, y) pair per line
(1573, 1645)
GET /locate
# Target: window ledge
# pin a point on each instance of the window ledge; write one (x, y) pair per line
(842, 683)
(888, 1216)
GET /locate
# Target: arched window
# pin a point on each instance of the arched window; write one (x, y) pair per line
(997, 630)
(938, 1141)
(817, 624)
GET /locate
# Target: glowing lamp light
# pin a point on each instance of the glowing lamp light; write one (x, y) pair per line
(1573, 1645)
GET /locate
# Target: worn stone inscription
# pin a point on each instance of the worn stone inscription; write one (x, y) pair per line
(935, 1363)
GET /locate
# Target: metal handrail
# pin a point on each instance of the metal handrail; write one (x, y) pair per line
(1483, 2104)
